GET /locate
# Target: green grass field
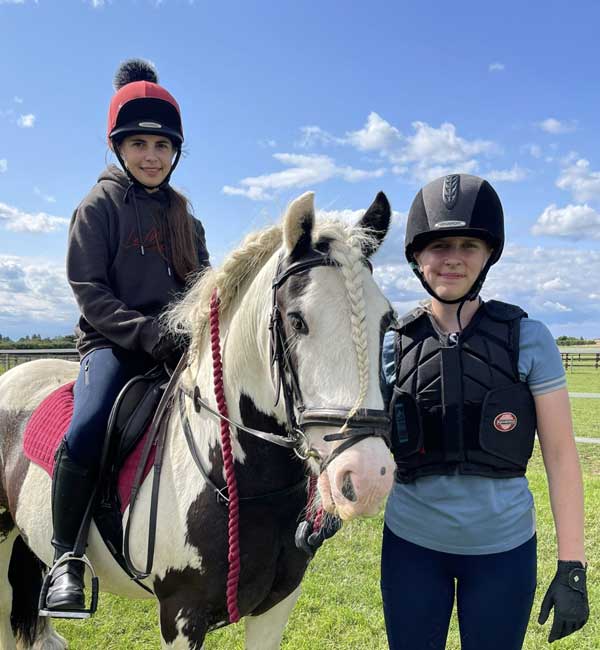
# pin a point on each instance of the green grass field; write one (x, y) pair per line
(340, 607)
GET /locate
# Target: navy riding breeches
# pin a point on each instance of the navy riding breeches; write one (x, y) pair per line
(102, 375)
(494, 595)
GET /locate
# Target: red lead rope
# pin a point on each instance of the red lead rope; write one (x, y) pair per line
(233, 573)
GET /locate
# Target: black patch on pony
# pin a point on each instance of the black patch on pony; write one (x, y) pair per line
(25, 576)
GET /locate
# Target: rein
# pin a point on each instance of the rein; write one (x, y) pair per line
(364, 423)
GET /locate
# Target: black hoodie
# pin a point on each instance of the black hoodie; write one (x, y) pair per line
(119, 264)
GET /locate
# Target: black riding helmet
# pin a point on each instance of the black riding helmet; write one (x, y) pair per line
(458, 205)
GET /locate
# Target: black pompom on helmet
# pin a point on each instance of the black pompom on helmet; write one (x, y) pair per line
(457, 205)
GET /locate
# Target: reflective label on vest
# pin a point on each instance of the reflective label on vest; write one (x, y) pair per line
(506, 421)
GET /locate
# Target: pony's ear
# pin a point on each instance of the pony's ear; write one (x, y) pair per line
(376, 220)
(298, 225)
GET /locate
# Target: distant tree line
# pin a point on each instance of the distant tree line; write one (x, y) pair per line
(572, 340)
(68, 341)
(36, 341)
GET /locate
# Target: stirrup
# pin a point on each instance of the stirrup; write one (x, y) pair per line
(71, 613)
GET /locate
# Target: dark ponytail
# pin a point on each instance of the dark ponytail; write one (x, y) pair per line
(183, 236)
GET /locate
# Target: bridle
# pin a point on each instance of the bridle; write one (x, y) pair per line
(364, 423)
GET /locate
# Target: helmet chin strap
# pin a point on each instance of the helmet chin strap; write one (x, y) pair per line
(471, 294)
(136, 181)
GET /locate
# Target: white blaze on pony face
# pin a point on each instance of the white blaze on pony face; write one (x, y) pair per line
(327, 359)
(336, 350)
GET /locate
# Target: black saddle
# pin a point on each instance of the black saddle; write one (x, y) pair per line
(132, 412)
(129, 419)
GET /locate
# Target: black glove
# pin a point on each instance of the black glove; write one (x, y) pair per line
(310, 541)
(567, 593)
(169, 350)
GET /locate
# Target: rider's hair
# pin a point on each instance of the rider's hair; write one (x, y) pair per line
(182, 235)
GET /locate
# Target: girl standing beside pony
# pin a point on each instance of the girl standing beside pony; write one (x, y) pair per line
(133, 245)
(470, 383)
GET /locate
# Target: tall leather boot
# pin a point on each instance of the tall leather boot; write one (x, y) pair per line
(72, 489)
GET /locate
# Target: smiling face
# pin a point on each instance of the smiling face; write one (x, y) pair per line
(450, 265)
(148, 157)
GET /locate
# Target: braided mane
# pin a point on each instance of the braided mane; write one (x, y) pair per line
(190, 315)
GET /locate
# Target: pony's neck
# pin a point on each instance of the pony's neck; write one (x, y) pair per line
(245, 349)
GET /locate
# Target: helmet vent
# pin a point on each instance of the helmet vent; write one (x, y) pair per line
(450, 190)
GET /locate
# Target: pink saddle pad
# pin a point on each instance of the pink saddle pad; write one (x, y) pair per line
(49, 423)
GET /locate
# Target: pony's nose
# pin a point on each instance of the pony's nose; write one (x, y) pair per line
(348, 488)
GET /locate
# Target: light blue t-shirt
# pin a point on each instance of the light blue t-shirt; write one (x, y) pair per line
(474, 515)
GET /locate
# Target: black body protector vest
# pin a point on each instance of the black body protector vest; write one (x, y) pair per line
(458, 404)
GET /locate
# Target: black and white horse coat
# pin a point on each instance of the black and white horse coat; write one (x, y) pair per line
(333, 318)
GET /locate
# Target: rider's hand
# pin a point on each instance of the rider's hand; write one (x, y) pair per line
(310, 541)
(168, 350)
(567, 594)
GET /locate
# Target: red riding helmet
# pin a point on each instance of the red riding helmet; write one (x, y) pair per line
(140, 105)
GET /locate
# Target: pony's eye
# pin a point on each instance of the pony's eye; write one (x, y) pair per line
(297, 323)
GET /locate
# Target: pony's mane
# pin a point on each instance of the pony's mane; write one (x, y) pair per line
(189, 316)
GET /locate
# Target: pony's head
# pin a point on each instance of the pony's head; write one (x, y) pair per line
(333, 318)
(303, 321)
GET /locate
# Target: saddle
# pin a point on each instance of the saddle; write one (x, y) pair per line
(127, 430)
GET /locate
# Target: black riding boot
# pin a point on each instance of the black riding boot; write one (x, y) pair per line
(72, 489)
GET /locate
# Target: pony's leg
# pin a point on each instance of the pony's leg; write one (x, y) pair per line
(20, 580)
(264, 632)
(7, 638)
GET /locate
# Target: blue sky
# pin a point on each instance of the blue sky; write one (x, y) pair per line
(339, 97)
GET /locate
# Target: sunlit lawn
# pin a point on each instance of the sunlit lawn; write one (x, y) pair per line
(340, 608)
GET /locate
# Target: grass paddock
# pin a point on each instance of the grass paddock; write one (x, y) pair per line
(340, 606)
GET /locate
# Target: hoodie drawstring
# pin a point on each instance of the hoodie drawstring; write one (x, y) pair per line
(137, 217)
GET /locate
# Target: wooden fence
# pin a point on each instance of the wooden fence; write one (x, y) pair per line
(587, 360)
(11, 358)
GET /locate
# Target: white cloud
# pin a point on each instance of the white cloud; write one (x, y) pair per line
(496, 67)
(556, 127)
(571, 222)
(19, 221)
(26, 121)
(34, 291)
(315, 135)
(304, 171)
(433, 152)
(534, 150)
(3, 165)
(17, 100)
(376, 135)
(555, 306)
(556, 284)
(12, 2)
(46, 197)
(427, 153)
(512, 175)
(577, 178)
(441, 145)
